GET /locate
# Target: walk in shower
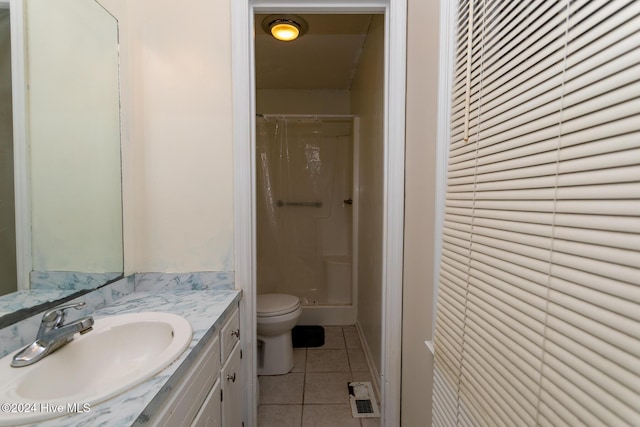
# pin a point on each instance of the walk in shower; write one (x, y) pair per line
(304, 213)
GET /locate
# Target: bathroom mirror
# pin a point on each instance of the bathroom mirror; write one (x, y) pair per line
(73, 143)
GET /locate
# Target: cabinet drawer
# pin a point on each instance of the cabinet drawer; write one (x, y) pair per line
(229, 336)
(210, 414)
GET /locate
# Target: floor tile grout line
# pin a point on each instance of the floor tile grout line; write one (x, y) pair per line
(304, 384)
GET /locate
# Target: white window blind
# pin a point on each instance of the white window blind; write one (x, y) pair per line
(538, 316)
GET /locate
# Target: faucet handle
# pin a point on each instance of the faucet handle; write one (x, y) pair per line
(55, 317)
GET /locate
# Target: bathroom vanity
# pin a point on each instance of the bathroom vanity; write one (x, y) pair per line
(202, 387)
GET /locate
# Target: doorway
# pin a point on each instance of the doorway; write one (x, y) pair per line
(305, 129)
(388, 323)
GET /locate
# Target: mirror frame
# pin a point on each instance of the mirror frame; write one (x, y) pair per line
(20, 137)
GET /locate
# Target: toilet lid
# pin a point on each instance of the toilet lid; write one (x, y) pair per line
(276, 304)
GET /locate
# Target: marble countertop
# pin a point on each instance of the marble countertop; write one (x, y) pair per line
(206, 311)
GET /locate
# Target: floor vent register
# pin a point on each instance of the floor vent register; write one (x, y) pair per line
(363, 401)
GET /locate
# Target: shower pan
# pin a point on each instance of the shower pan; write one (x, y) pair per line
(305, 213)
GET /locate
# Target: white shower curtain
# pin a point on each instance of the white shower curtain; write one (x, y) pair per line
(296, 171)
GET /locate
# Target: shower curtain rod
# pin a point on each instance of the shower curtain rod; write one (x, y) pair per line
(307, 116)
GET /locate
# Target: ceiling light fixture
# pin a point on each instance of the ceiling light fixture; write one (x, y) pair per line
(284, 27)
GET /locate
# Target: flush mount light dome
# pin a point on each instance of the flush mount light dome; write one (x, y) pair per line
(284, 27)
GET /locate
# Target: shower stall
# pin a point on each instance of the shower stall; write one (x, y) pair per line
(305, 211)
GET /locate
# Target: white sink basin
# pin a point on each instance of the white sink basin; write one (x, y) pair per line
(120, 352)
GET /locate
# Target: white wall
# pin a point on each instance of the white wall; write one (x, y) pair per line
(180, 151)
(367, 101)
(422, 102)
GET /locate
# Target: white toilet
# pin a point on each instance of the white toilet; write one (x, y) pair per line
(277, 314)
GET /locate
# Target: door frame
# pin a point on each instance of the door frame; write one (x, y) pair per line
(242, 50)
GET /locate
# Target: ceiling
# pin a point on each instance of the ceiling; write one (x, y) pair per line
(325, 57)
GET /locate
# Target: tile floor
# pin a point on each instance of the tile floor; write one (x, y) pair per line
(314, 393)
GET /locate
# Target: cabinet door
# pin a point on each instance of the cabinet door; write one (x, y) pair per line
(229, 335)
(187, 398)
(210, 414)
(232, 390)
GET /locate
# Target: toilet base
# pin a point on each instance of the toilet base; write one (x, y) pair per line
(275, 354)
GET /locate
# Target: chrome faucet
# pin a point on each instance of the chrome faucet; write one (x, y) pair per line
(52, 335)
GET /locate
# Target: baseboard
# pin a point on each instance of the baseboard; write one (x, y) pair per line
(375, 375)
(327, 315)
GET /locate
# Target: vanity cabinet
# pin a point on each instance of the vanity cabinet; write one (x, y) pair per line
(210, 394)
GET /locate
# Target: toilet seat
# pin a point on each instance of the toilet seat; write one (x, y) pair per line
(269, 305)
